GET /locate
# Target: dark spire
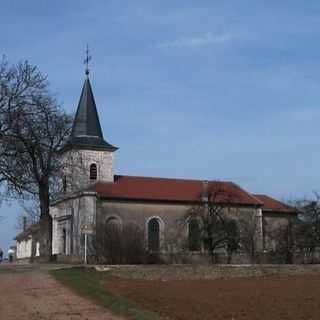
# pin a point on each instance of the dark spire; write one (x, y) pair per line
(86, 130)
(86, 121)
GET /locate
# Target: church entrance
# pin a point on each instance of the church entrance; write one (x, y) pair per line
(64, 236)
(64, 241)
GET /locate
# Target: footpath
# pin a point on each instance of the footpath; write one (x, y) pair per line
(28, 292)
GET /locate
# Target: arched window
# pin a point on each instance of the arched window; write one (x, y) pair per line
(113, 223)
(154, 235)
(93, 171)
(113, 230)
(194, 235)
(112, 241)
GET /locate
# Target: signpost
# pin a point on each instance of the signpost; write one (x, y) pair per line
(86, 229)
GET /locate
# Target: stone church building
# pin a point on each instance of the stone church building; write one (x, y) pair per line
(93, 197)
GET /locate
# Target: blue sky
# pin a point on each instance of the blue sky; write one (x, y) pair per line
(224, 90)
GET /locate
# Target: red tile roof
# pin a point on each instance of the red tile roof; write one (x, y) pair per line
(181, 190)
(271, 204)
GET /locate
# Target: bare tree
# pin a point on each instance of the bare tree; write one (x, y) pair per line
(248, 236)
(310, 213)
(285, 241)
(306, 240)
(119, 244)
(306, 229)
(218, 230)
(30, 214)
(33, 128)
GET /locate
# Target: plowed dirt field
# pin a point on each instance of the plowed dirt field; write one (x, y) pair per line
(271, 298)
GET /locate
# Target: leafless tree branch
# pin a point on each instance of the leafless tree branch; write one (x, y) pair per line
(33, 128)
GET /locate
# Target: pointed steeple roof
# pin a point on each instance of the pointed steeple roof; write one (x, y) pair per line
(86, 130)
(86, 122)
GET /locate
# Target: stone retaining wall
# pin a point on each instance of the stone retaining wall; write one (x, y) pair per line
(180, 272)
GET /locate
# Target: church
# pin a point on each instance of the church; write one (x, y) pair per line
(153, 214)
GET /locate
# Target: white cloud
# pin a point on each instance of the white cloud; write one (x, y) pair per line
(204, 40)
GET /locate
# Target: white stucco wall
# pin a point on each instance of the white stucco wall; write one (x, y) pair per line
(24, 248)
(71, 214)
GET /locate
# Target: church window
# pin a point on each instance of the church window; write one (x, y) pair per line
(113, 230)
(93, 171)
(112, 241)
(194, 235)
(154, 235)
(113, 223)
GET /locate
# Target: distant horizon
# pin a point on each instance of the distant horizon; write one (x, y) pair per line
(206, 91)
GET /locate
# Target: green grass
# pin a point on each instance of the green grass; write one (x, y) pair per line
(90, 284)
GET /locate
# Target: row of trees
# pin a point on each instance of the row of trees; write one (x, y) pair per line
(302, 235)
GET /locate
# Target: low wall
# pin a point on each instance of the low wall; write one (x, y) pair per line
(180, 272)
(68, 259)
(297, 257)
(22, 261)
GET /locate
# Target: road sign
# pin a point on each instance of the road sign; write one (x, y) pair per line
(87, 229)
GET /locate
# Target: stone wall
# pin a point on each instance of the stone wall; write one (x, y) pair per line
(77, 168)
(173, 224)
(180, 272)
(170, 216)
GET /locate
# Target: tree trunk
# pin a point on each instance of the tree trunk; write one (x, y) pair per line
(45, 237)
(45, 223)
(211, 248)
(229, 256)
(252, 252)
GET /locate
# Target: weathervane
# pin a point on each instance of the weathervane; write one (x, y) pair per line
(87, 60)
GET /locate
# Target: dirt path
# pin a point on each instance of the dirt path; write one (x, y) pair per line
(35, 295)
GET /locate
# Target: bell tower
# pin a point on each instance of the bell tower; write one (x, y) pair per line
(87, 156)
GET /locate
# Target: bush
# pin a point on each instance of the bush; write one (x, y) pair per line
(120, 244)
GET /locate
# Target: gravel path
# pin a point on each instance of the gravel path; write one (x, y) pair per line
(32, 294)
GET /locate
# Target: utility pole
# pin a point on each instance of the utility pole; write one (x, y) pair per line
(85, 230)
(85, 247)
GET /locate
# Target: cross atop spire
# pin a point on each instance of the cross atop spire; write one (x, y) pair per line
(87, 60)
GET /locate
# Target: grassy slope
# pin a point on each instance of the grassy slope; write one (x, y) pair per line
(89, 284)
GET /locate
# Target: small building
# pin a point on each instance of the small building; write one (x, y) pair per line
(27, 244)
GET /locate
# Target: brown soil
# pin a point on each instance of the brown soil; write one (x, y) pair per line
(34, 295)
(272, 298)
